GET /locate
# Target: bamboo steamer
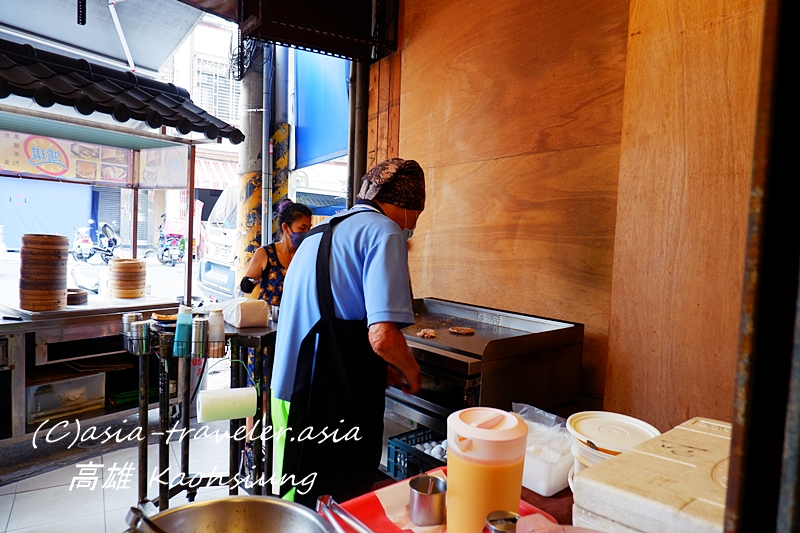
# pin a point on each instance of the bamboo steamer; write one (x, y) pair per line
(127, 278)
(32, 241)
(43, 272)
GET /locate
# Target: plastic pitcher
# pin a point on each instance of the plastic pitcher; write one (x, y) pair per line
(486, 454)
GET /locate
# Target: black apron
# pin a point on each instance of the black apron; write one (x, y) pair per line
(340, 388)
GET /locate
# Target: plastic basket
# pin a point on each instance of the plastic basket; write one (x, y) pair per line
(403, 460)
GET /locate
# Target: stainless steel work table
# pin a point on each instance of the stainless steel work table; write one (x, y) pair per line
(262, 341)
(24, 331)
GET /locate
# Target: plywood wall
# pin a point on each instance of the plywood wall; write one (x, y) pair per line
(383, 114)
(514, 110)
(685, 165)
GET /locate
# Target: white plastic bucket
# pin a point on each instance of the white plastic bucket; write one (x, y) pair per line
(586, 457)
(612, 433)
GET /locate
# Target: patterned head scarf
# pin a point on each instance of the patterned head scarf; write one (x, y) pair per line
(395, 181)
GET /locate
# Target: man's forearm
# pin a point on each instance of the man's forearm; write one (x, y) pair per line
(388, 342)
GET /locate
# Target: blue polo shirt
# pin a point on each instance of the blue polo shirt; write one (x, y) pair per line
(369, 279)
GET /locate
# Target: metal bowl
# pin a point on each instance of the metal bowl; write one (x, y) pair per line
(239, 514)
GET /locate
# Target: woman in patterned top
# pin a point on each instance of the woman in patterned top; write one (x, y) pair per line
(268, 266)
(267, 271)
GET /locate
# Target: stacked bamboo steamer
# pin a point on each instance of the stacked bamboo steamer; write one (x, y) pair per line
(43, 272)
(127, 278)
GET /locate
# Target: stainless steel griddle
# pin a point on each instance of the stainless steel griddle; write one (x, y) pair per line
(512, 357)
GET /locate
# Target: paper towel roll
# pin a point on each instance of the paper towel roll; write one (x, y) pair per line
(226, 404)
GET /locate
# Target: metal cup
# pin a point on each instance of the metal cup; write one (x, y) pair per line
(275, 312)
(427, 504)
(138, 338)
(128, 319)
(199, 337)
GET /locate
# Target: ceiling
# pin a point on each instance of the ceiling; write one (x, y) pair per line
(153, 29)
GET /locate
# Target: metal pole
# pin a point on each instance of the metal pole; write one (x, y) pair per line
(163, 446)
(188, 248)
(266, 153)
(360, 134)
(235, 449)
(258, 455)
(135, 221)
(352, 189)
(144, 399)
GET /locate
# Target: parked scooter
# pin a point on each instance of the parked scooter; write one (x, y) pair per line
(108, 241)
(82, 245)
(168, 247)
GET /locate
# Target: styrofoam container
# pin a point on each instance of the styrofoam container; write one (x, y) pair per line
(609, 433)
(673, 483)
(543, 477)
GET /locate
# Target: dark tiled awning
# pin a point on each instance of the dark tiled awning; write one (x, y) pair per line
(50, 78)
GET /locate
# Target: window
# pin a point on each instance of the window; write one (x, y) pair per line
(218, 93)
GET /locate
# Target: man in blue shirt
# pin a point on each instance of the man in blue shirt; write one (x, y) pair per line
(339, 343)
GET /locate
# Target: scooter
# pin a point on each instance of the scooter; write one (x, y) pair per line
(82, 245)
(168, 247)
(108, 241)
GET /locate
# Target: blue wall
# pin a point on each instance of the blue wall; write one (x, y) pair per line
(322, 107)
(33, 206)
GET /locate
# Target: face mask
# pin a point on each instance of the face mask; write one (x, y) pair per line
(407, 232)
(297, 238)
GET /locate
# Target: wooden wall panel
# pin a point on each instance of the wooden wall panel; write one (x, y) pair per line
(383, 127)
(686, 157)
(483, 80)
(514, 110)
(372, 115)
(541, 246)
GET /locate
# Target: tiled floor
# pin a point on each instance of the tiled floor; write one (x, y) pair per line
(51, 503)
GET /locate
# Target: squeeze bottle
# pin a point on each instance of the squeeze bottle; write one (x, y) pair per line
(486, 454)
(216, 333)
(181, 347)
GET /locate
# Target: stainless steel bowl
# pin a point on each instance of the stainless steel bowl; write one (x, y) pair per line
(239, 514)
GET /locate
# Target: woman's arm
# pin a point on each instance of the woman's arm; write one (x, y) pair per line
(256, 267)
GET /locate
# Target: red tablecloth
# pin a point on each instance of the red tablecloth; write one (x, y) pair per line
(369, 509)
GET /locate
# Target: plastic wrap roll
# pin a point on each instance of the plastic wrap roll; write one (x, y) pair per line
(226, 404)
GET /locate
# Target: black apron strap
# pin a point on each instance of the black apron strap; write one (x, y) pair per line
(339, 384)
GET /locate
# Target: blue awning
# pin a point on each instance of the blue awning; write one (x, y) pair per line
(322, 107)
(322, 204)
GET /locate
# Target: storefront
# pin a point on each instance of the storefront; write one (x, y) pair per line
(607, 154)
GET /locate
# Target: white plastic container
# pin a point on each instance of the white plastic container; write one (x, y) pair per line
(216, 333)
(543, 477)
(609, 433)
(65, 397)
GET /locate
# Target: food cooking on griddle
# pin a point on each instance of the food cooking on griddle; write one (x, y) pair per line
(426, 333)
(459, 330)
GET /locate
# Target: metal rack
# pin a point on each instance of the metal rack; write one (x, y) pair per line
(159, 343)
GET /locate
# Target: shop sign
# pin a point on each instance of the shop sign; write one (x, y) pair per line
(47, 157)
(164, 168)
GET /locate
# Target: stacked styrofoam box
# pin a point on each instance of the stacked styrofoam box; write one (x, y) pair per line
(673, 483)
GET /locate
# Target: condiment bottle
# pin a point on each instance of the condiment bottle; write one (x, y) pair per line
(216, 333)
(181, 347)
(486, 453)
